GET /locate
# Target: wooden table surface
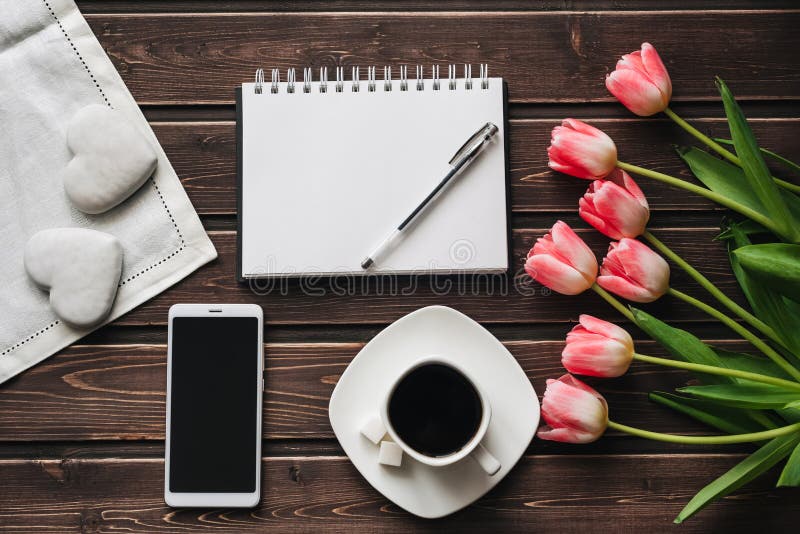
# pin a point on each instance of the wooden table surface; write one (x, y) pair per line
(81, 435)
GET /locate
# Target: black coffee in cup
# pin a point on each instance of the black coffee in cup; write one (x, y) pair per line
(435, 410)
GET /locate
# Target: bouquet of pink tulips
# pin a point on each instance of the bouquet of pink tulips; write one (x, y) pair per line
(749, 398)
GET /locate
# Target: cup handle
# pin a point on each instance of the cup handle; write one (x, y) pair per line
(488, 463)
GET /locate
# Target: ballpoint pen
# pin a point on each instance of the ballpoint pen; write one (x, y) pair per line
(463, 157)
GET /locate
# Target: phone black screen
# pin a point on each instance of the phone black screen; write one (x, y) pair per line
(213, 405)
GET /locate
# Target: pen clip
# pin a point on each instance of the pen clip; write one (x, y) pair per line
(471, 147)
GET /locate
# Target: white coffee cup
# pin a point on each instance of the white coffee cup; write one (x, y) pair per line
(473, 447)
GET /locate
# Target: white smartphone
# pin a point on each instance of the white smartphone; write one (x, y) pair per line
(214, 392)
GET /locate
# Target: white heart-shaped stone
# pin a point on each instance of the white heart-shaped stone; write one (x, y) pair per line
(80, 267)
(111, 159)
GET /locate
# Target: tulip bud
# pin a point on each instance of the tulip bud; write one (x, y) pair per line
(616, 207)
(562, 261)
(574, 412)
(641, 82)
(597, 348)
(581, 150)
(634, 272)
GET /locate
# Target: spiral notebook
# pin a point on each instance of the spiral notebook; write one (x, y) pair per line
(328, 168)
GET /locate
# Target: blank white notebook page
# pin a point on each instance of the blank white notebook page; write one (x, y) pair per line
(326, 176)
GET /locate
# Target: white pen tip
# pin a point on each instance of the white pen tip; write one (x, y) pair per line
(367, 263)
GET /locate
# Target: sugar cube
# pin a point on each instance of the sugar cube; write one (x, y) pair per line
(374, 430)
(390, 454)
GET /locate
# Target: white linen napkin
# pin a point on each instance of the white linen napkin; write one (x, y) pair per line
(51, 65)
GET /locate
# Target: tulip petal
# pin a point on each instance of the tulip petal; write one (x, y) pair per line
(581, 150)
(591, 157)
(566, 435)
(610, 330)
(620, 209)
(601, 357)
(572, 248)
(556, 275)
(643, 265)
(585, 128)
(636, 92)
(589, 214)
(656, 70)
(632, 61)
(569, 406)
(624, 179)
(625, 289)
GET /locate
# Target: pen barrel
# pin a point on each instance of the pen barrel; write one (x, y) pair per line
(383, 247)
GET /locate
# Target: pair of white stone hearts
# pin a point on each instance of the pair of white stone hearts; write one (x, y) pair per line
(81, 267)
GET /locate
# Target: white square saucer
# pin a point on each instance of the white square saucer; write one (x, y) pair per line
(436, 330)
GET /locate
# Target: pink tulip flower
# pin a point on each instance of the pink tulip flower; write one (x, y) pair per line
(562, 261)
(581, 150)
(597, 348)
(616, 207)
(633, 271)
(641, 82)
(574, 412)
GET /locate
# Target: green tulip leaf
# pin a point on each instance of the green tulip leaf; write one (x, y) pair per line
(681, 344)
(729, 180)
(752, 364)
(782, 314)
(776, 265)
(745, 227)
(728, 420)
(774, 155)
(755, 168)
(790, 476)
(754, 396)
(742, 473)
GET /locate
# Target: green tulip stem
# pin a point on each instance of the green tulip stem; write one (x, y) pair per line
(739, 329)
(721, 371)
(748, 317)
(707, 440)
(722, 200)
(620, 307)
(721, 150)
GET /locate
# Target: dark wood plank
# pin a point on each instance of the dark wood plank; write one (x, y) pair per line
(563, 494)
(166, 6)
(204, 156)
(491, 299)
(546, 57)
(118, 392)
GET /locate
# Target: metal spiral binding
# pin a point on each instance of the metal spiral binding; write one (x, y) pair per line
(323, 79)
(290, 81)
(339, 79)
(276, 80)
(259, 81)
(387, 78)
(484, 76)
(388, 82)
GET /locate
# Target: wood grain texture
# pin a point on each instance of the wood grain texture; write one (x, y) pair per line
(118, 392)
(545, 57)
(191, 6)
(81, 434)
(204, 156)
(380, 300)
(326, 494)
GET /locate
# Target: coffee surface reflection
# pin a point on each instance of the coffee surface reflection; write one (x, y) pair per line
(435, 410)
